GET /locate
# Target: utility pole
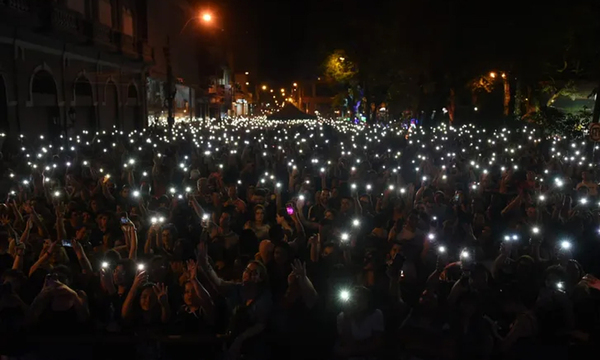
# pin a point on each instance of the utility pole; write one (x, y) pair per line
(170, 88)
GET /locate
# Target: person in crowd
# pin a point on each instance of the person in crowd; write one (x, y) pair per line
(258, 240)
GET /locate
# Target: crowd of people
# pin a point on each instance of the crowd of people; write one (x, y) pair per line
(303, 239)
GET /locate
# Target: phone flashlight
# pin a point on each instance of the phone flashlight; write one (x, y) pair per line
(57, 194)
(356, 223)
(442, 249)
(188, 189)
(301, 197)
(344, 295)
(104, 265)
(542, 198)
(583, 201)
(140, 267)
(565, 245)
(464, 254)
(136, 193)
(431, 236)
(560, 286)
(402, 190)
(345, 237)
(535, 230)
(205, 217)
(153, 220)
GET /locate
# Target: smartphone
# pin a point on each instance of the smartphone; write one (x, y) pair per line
(67, 243)
(290, 210)
(124, 220)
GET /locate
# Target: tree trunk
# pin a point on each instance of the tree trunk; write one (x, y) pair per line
(506, 97)
(596, 113)
(452, 105)
(517, 111)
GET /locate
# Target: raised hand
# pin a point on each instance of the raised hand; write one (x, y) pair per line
(140, 279)
(298, 268)
(192, 268)
(161, 292)
(5, 220)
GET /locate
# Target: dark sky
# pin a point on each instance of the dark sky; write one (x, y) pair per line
(283, 40)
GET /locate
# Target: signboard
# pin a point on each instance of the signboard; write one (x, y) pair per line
(595, 132)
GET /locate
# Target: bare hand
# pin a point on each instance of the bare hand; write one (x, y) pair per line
(140, 279)
(161, 292)
(299, 268)
(192, 268)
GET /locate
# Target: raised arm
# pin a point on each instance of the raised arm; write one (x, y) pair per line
(127, 309)
(221, 284)
(203, 294)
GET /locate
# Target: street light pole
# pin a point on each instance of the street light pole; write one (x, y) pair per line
(170, 91)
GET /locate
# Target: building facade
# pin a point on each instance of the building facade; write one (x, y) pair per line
(73, 65)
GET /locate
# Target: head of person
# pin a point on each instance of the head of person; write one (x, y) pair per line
(124, 272)
(259, 214)
(525, 268)
(158, 269)
(324, 197)
(190, 298)
(283, 217)
(102, 221)
(58, 256)
(232, 191)
(125, 192)
(395, 249)
(281, 253)
(148, 300)
(259, 197)
(530, 176)
(585, 176)
(255, 274)
(346, 204)
(168, 235)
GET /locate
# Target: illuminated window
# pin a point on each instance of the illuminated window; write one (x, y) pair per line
(127, 22)
(105, 12)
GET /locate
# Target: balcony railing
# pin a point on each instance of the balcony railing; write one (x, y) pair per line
(47, 17)
(19, 5)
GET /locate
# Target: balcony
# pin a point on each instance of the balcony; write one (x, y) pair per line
(18, 5)
(50, 19)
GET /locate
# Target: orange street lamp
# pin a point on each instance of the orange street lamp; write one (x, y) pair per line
(206, 18)
(264, 87)
(282, 90)
(295, 84)
(493, 75)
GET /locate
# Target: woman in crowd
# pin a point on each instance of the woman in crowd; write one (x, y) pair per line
(470, 244)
